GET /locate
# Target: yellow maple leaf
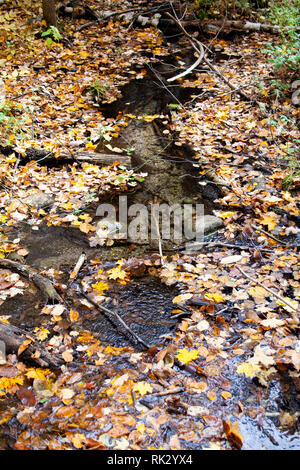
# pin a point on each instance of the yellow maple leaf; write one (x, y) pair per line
(42, 333)
(24, 346)
(225, 394)
(142, 388)
(90, 145)
(181, 298)
(73, 315)
(84, 54)
(215, 296)
(185, 356)
(117, 273)
(211, 395)
(37, 373)
(100, 287)
(85, 227)
(8, 383)
(269, 219)
(248, 369)
(77, 439)
(225, 215)
(222, 115)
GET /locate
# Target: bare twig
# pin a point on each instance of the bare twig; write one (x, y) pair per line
(269, 290)
(268, 234)
(159, 239)
(168, 392)
(199, 245)
(78, 266)
(187, 71)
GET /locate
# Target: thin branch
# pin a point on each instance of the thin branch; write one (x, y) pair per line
(168, 392)
(269, 290)
(187, 71)
(78, 266)
(198, 48)
(159, 239)
(268, 234)
(199, 245)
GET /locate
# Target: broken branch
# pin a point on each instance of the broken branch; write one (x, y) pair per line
(42, 283)
(198, 48)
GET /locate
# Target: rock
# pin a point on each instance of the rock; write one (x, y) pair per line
(38, 200)
(259, 182)
(210, 223)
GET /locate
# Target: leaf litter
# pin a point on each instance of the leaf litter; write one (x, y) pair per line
(212, 382)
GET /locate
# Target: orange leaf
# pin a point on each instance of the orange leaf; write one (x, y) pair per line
(232, 431)
(24, 346)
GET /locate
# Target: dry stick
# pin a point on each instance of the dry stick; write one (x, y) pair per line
(168, 392)
(269, 290)
(78, 266)
(187, 71)
(159, 240)
(200, 245)
(199, 49)
(42, 283)
(268, 234)
(114, 314)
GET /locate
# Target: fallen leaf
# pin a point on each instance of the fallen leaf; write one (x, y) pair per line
(232, 431)
(185, 356)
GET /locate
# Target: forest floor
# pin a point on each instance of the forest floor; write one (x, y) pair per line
(212, 355)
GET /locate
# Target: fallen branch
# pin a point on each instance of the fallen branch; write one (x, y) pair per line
(231, 25)
(97, 158)
(198, 48)
(269, 290)
(194, 246)
(111, 313)
(168, 392)
(14, 339)
(214, 26)
(159, 239)
(42, 283)
(189, 70)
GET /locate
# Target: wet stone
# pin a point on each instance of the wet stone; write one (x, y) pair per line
(38, 200)
(211, 223)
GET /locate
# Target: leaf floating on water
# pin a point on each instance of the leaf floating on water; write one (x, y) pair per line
(232, 431)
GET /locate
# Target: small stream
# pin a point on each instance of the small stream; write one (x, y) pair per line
(145, 304)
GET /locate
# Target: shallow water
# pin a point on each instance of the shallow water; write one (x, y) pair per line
(146, 308)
